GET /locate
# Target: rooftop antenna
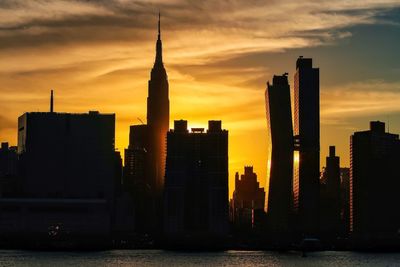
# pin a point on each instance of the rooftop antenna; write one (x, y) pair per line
(51, 102)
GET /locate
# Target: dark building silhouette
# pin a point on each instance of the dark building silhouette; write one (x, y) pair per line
(8, 160)
(68, 170)
(330, 190)
(145, 157)
(196, 184)
(118, 171)
(135, 157)
(280, 154)
(248, 198)
(157, 120)
(123, 212)
(374, 184)
(67, 155)
(307, 142)
(136, 180)
(345, 201)
(8, 169)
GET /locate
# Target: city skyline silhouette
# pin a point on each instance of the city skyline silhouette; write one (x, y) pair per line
(91, 171)
(83, 70)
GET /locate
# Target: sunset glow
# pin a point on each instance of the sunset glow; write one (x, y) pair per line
(218, 56)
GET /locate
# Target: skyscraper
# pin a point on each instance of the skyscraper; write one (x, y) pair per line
(280, 153)
(135, 157)
(8, 170)
(136, 179)
(65, 155)
(247, 198)
(331, 197)
(196, 183)
(157, 120)
(145, 157)
(374, 184)
(8, 160)
(333, 182)
(68, 170)
(307, 142)
(345, 201)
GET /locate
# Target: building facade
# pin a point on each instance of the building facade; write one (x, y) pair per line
(66, 155)
(68, 173)
(135, 157)
(280, 154)
(8, 170)
(8, 160)
(248, 197)
(330, 189)
(157, 121)
(307, 143)
(144, 169)
(345, 201)
(196, 183)
(136, 179)
(374, 184)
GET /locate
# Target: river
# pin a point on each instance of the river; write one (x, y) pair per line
(174, 258)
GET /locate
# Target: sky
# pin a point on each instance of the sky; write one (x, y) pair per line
(97, 55)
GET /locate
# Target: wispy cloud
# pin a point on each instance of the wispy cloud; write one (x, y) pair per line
(97, 55)
(15, 14)
(373, 97)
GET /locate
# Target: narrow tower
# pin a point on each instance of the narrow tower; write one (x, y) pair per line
(307, 139)
(157, 119)
(280, 157)
(51, 102)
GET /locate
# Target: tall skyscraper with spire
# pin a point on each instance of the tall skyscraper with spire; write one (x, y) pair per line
(146, 155)
(157, 119)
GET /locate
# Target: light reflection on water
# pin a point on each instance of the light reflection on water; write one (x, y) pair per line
(172, 258)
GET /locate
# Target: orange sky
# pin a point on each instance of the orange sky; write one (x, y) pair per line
(218, 56)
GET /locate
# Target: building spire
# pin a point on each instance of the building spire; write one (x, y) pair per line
(159, 61)
(159, 25)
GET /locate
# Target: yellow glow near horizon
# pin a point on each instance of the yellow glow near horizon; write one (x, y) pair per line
(98, 57)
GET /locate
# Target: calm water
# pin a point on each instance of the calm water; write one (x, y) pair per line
(168, 258)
